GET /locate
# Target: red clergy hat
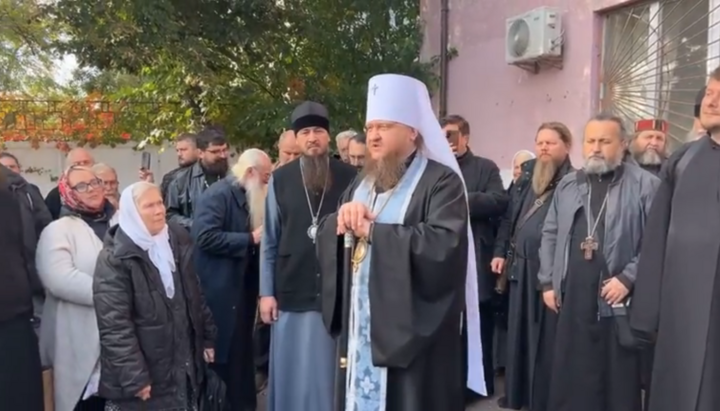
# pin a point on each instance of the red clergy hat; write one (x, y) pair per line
(651, 124)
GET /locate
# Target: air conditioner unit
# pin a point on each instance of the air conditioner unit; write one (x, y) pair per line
(534, 35)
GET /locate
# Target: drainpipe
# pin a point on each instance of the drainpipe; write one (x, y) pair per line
(444, 34)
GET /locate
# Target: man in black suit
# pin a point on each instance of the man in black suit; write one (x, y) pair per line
(487, 200)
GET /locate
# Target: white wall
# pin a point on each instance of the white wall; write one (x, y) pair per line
(123, 158)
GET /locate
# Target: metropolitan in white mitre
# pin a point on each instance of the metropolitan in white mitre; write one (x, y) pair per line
(414, 263)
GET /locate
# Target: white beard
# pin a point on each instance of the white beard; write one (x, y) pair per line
(256, 193)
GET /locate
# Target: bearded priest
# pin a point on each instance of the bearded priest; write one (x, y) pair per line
(414, 263)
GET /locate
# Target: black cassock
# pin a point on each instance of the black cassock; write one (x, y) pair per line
(531, 326)
(677, 291)
(591, 371)
(417, 293)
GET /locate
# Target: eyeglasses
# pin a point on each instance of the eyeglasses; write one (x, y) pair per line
(85, 187)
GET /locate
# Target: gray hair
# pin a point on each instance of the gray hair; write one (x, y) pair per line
(102, 167)
(615, 119)
(344, 135)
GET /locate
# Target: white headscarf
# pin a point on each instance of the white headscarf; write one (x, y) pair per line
(528, 153)
(406, 100)
(157, 246)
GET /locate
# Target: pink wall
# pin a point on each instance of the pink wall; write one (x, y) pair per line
(505, 104)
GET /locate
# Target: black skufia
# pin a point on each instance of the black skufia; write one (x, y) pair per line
(212, 392)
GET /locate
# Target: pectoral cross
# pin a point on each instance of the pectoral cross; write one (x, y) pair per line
(588, 246)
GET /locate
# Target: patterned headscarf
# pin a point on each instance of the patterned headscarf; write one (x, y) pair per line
(69, 197)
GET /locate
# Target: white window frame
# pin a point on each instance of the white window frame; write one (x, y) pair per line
(654, 61)
(713, 40)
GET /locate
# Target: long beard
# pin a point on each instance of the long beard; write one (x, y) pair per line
(316, 172)
(543, 174)
(256, 193)
(385, 172)
(217, 168)
(599, 165)
(649, 157)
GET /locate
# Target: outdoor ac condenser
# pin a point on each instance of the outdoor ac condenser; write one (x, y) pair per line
(534, 35)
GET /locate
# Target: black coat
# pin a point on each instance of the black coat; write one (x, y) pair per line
(488, 201)
(224, 251)
(34, 217)
(136, 331)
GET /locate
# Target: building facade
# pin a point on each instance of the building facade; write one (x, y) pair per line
(636, 59)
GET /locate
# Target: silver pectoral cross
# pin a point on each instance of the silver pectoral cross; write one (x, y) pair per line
(312, 230)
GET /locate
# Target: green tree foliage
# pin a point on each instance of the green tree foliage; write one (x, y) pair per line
(244, 64)
(26, 66)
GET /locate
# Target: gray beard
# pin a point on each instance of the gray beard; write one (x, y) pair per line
(316, 172)
(543, 174)
(597, 165)
(649, 157)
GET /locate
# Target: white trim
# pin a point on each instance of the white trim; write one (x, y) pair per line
(713, 50)
(654, 60)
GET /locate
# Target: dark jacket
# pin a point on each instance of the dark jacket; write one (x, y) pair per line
(488, 201)
(34, 216)
(184, 190)
(628, 202)
(518, 191)
(137, 338)
(53, 202)
(169, 177)
(224, 251)
(15, 294)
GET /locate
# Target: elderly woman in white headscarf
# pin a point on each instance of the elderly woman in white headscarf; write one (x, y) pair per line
(155, 329)
(518, 160)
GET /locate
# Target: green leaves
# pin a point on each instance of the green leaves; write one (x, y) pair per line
(242, 64)
(24, 36)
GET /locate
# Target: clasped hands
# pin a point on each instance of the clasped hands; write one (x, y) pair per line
(355, 217)
(613, 291)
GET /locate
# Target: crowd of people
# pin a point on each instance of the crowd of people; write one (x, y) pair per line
(573, 283)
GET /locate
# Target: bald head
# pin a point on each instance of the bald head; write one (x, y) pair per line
(288, 150)
(79, 157)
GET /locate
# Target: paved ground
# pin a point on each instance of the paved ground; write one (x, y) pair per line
(486, 405)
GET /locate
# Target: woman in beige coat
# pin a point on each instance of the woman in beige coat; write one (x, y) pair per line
(66, 255)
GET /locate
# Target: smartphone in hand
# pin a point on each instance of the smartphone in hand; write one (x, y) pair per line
(145, 162)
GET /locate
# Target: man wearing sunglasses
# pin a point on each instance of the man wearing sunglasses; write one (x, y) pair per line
(487, 200)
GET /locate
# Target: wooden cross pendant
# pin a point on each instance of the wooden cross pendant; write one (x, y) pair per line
(588, 246)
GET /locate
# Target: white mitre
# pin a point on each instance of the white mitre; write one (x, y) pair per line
(405, 100)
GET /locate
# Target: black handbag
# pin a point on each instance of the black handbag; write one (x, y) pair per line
(212, 392)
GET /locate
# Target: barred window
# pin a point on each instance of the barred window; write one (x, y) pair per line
(656, 57)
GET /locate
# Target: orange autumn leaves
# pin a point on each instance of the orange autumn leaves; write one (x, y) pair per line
(89, 121)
